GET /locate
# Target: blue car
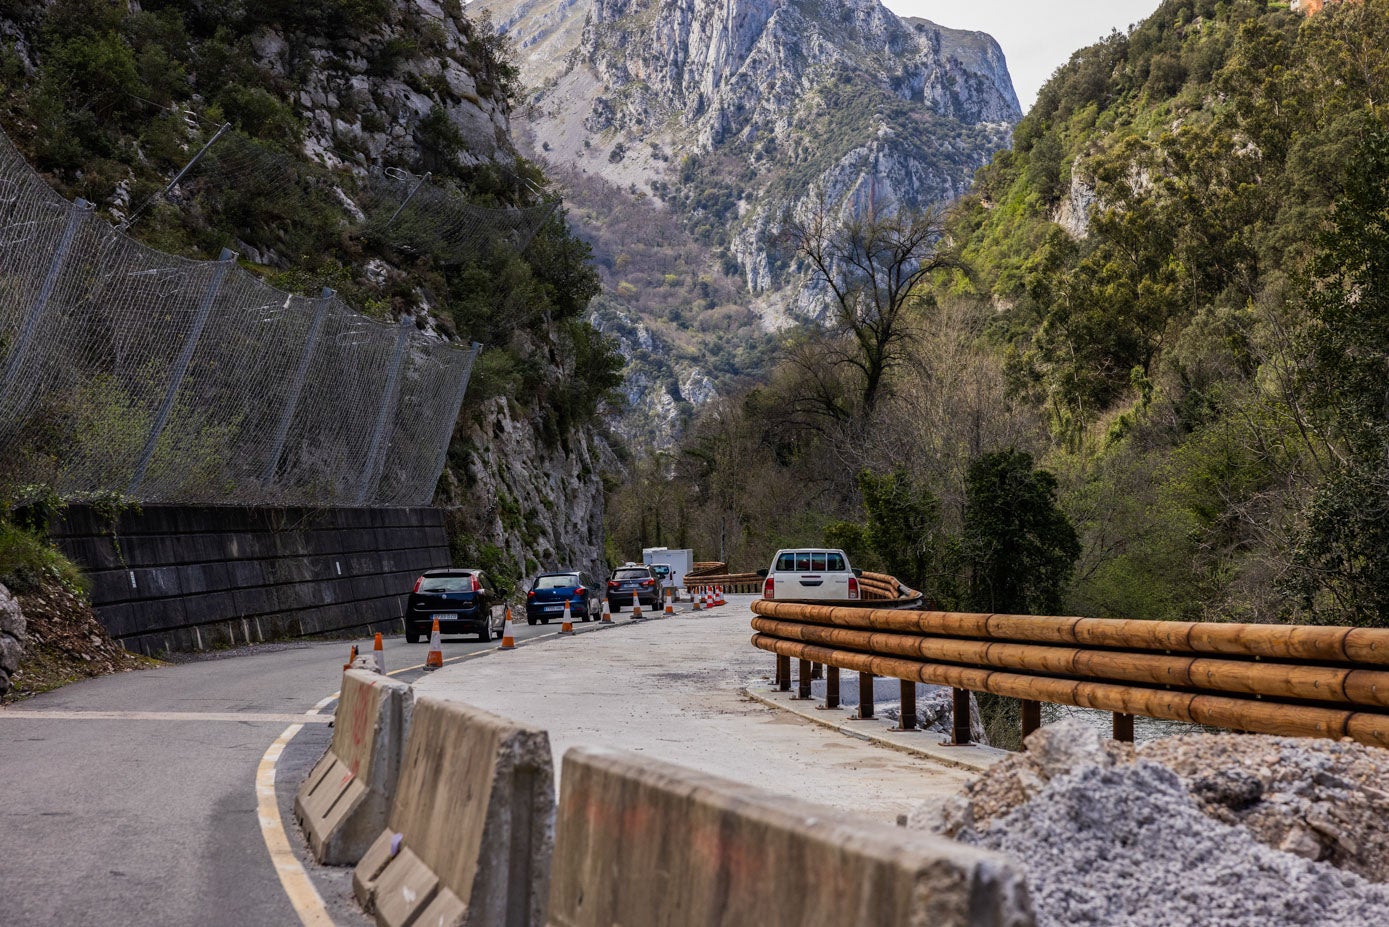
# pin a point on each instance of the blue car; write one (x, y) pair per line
(546, 597)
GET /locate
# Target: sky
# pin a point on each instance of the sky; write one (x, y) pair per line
(1037, 36)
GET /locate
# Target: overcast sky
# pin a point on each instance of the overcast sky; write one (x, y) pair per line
(1038, 36)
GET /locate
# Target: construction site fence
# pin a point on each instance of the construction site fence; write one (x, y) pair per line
(1288, 680)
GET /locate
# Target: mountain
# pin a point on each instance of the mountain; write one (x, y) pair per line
(720, 120)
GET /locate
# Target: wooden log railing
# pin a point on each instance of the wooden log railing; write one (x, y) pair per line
(1272, 679)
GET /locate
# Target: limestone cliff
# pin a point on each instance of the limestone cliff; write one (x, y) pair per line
(731, 115)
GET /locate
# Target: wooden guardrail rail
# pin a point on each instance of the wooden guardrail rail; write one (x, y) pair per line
(1271, 679)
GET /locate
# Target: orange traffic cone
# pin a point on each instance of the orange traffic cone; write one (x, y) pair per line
(607, 612)
(435, 658)
(350, 658)
(670, 603)
(718, 596)
(636, 608)
(696, 602)
(567, 625)
(508, 634)
(379, 652)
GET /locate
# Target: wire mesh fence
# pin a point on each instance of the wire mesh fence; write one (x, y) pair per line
(172, 380)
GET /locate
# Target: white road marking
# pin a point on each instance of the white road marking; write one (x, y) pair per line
(244, 716)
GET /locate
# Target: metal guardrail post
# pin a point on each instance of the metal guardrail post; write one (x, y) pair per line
(1031, 716)
(803, 680)
(817, 670)
(783, 673)
(865, 696)
(185, 357)
(831, 687)
(78, 211)
(1123, 727)
(960, 718)
(908, 719)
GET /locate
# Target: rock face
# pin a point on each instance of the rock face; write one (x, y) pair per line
(737, 114)
(11, 638)
(538, 505)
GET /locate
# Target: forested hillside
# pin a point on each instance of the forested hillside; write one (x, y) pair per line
(1171, 295)
(323, 104)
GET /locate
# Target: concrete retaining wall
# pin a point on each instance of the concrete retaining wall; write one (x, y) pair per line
(344, 803)
(196, 577)
(643, 842)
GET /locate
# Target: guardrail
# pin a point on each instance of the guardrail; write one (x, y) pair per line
(879, 588)
(1268, 679)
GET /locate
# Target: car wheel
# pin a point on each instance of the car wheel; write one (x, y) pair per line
(485, 634)
(544, 620)
(411, 635)
(615, 607)
(530, 621)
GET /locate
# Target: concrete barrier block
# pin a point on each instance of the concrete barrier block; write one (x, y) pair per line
(345, 801)
(472, 826)
(643, 842)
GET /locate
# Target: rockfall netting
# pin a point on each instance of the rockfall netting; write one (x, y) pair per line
(179, 381)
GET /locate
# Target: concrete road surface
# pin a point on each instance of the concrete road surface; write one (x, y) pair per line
(670, 689)
(131, 799)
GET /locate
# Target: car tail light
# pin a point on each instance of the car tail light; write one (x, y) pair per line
(580, 591)
(531, 594)
(419, 582)
(612, 584)
(648, 582)
(477, 586)
(769, 588)
(853, 587)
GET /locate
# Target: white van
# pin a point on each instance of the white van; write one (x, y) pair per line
(810, 573)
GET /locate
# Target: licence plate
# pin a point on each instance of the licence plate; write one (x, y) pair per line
(442, 617)
(554, 608)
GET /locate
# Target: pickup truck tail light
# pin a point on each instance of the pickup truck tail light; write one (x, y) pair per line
(419, 582)
(853, 587)
(769, 588)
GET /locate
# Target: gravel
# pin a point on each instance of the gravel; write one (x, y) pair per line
(1219, 830)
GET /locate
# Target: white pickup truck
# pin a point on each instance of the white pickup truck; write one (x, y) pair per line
(810, 573)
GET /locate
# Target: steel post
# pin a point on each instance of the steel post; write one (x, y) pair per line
(831, 687)
(371, 471)
(960, 717)
(783, 673)
(78, 211)
(908, 720)
(296, 388)
(180, 369)
(817, 671)
(865, 696)
(1123, 727)
(803, 679)
(1031, 716)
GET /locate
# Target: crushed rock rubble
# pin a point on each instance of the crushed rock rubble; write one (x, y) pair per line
(1202, 830)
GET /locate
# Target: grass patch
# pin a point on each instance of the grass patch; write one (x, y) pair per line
(28, 562)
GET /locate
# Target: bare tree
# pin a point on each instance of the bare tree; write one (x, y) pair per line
(871, 265)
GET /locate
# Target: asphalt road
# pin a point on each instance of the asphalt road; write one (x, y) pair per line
(145, 813)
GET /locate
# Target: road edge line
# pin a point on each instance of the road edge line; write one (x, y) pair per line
(294, 879)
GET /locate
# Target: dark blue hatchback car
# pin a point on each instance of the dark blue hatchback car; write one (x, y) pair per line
(464, 601)
(546, 597)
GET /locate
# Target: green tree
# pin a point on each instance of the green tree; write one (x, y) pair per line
(1019, 546)
(1344, 550)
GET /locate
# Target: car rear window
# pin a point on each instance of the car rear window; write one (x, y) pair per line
(807, 561)
(447, 584)
(567, 581)
(632, 574)
(836, 563)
